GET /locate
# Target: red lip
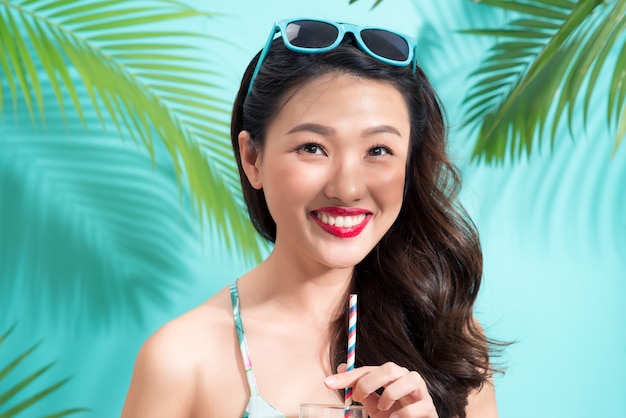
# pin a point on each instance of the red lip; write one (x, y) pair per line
(342, 232)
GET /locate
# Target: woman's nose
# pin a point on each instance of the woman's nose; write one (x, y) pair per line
(346, 181)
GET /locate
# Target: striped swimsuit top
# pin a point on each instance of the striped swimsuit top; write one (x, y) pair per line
(257, 406)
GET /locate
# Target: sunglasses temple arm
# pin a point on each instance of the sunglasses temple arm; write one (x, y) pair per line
(262, 57)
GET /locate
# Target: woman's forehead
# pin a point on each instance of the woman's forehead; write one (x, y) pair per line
(335, 98)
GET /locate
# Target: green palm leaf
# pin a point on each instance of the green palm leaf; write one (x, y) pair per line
(141, 79)
(376, 3)
(8, 410)
(89, 222)
(546, 62)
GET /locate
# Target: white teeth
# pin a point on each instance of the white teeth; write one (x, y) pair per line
(340, 221)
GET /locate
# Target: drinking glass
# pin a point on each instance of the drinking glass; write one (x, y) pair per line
(311, 410)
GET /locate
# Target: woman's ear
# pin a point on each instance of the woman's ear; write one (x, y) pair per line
(250, 159)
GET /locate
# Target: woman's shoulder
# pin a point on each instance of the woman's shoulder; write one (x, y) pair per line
(172, 362)
(194, 334)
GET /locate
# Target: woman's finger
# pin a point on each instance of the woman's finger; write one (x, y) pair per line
(405, 392)
(379, 377)
(417, 410)
(347, 379)
(370, 403)
(409, 388)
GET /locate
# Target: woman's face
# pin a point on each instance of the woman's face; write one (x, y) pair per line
(332, 168)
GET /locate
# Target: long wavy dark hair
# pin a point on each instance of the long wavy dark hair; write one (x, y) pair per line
(417, 287)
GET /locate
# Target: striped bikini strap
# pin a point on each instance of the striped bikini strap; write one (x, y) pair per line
(245, 355)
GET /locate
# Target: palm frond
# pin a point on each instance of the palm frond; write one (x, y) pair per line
(90, 222)
(376, 3)
(145, 79)
(548, 58)
(8, 410)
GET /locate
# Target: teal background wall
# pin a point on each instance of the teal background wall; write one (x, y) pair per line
(87, 276)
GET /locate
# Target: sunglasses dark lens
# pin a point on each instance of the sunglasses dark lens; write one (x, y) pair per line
(386, 44)
(311, 34)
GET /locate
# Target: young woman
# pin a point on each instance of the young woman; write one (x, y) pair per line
(341, 146)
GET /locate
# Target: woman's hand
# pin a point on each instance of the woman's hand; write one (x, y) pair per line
(405, 393)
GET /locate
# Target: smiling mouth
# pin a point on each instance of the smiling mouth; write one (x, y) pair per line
(342, 225)
(340, 221)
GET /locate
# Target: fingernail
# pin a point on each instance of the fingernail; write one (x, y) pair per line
(330, 380)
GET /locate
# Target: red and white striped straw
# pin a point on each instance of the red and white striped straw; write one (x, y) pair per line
(351, 350)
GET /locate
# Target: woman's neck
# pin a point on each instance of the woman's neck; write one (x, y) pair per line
(281, 284)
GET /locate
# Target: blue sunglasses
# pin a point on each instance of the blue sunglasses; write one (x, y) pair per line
(313, 36)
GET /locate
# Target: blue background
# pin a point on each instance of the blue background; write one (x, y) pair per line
(553, 228)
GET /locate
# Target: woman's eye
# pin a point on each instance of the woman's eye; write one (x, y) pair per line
(379, 150)
(311, 148)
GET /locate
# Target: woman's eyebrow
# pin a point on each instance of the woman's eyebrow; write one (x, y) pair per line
(382, 129)
(313, 127)
(328, 131)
